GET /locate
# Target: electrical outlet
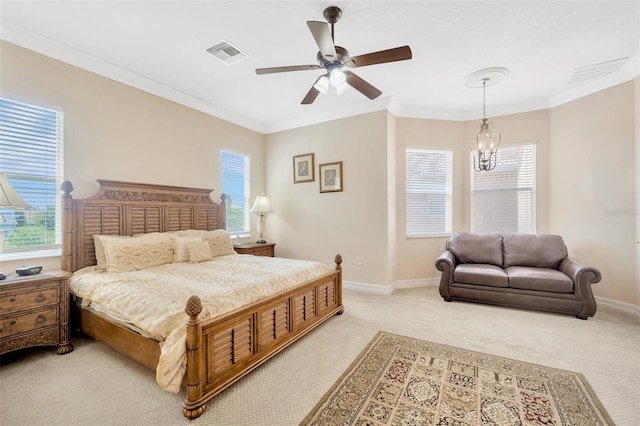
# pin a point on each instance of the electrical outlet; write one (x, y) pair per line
(360, 266)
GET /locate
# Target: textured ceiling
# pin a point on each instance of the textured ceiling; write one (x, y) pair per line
(160, 47)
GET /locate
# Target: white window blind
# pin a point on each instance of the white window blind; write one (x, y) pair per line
(429, 188)
(235, 184)
(504, 199)
(31, 143)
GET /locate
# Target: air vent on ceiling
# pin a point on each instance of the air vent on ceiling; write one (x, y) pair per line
(595, 71)
(227, 53)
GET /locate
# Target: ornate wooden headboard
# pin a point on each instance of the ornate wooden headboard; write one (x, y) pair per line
(125, 208)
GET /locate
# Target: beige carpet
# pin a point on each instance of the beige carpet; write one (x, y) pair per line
(403, 381)
(93, 385)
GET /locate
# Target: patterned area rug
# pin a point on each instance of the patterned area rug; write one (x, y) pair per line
(398, 380)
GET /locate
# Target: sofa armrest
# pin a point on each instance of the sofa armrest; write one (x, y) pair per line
(583, 276)
(446, 263)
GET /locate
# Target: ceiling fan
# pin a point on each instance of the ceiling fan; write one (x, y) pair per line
(334, 59)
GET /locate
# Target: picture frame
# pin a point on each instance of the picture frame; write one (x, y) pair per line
(331, 177)
(303, 168)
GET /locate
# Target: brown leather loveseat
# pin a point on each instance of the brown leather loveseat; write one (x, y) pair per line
(518, 270)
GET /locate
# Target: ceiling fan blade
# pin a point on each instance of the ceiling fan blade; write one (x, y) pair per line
(322, 36)
(361, 86)
(390, 55)
(272, 70)
(311, 96)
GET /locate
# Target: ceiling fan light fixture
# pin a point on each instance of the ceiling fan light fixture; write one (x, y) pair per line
(336, 77)
(341, 89)
(322, 84)
(333, 58)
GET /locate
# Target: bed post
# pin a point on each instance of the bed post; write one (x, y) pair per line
(222, 212)
(192, 407)
(66, 260)
(338, 260)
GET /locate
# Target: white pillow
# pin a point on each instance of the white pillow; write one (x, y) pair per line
(198, 251)
(219, 240)
(182, 254)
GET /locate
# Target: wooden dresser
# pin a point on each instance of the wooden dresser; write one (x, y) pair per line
(267, 249)
(34, 311)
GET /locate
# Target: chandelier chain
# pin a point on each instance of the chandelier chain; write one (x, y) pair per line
(484, 99)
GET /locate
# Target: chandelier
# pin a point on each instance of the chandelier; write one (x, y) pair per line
(484, 145)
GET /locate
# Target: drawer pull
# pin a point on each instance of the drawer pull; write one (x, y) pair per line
(40, 319)
(12, 323)
(40, 298)
(13, 299)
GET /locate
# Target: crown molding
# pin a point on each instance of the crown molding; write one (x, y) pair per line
(30, 40)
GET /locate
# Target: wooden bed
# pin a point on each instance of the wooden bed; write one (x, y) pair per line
(221, 350)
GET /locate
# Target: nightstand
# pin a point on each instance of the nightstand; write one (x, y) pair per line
(256, 249)
(34, 311)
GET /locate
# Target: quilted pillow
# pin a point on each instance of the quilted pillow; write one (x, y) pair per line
(219, 240)
(99, 248)
(133, 254)
(182, 254)
(199, 251)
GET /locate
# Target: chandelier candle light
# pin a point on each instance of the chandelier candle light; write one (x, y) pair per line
(484, 146)
(261, 206)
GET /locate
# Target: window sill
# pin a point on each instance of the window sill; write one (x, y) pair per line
(413, 237)
(36, 254)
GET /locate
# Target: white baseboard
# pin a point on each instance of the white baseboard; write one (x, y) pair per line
(389, 289)
(621, 306)
(386, 290)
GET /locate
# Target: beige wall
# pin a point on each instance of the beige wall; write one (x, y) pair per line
(416, 256)
(637, 211)
(113, 131)
(586, 165)
(310, 225)
(593, 193)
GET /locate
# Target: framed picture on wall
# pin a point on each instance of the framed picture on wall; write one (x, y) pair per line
(331, 177)
(303, 168)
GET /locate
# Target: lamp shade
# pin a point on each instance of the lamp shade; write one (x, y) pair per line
(261, 205)
(322, 84)
(9, 197)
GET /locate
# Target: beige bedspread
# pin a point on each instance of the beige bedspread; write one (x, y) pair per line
(154, 299)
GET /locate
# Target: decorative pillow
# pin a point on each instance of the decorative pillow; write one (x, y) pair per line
(99, 248)
(219, 240)
(182, 254)
(133, 254)
(198, 251)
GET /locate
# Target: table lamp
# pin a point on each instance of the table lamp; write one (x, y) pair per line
(261, 206)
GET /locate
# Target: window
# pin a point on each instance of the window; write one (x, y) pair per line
(235, 184)
(429, 175)
(504, 199)
(31, 159)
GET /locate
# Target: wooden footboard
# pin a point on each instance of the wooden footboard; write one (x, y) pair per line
(222, 350)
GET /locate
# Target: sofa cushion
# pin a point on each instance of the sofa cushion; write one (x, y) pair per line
(481, 274)
(540, 251)
(539, 279)
(476, 248)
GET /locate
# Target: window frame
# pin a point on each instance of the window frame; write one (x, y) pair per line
(527, 222)
(246, 231)
(426, 207)
(51, 156)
